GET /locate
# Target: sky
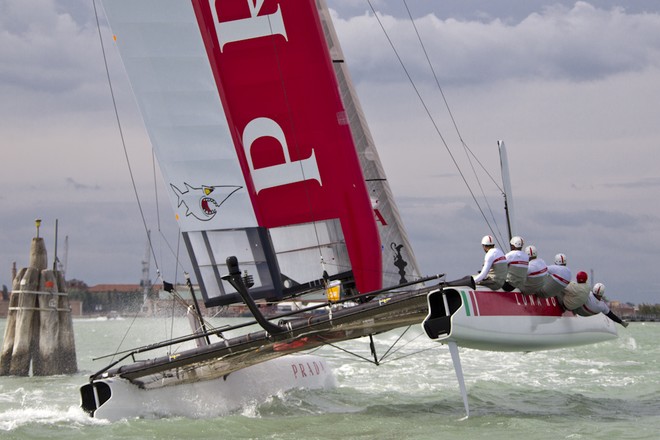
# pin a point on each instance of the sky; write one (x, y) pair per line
(572, 88)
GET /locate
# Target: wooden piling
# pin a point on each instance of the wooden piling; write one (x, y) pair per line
(39, 330)
(27, 302)
(66, 359)
(45, 364)
(10, 328)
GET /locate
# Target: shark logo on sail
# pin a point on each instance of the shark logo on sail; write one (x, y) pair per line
(202, 202)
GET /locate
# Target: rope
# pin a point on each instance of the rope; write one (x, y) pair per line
(39, 309)
(389, 351)
(428, 112)
(467, 150)
(121, 132)
(34, 292)
(424, 105)
(128, 162)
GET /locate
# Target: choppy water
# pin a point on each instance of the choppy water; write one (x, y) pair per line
(605, 391)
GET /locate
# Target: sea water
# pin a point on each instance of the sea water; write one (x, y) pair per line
(608, 391)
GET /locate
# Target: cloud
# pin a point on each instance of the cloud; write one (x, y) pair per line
(580, 43)
(41, 48)
(587, 218)
(648, 182)
(80, 186)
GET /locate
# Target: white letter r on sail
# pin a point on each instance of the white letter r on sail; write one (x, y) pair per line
(252, 27)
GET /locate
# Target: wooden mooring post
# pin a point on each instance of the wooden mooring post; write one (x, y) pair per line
(39, 331)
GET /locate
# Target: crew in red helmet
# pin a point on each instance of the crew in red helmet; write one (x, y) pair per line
(576, 293)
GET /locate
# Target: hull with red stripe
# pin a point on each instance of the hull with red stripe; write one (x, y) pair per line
(509, 321)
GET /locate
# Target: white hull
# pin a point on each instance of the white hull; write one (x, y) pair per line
(509, 321)
(211, 398)
(529, 333)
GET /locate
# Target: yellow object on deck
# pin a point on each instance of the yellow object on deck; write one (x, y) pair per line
(333, 291)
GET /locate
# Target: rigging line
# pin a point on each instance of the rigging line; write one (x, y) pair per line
(153, 166)
(128, 163)
(497, 236)
(453, 120)
(158, 222)
(394, 344)
(173, 252)
(497, 185)
(351, 353)
(428, 112)
(410, 354)
(404, 345)
(121, 342)
(451, 115)
(376, 360)
(178, 252)
(174, 298)
(121, 134)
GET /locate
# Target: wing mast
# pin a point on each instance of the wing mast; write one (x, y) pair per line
(508, 197)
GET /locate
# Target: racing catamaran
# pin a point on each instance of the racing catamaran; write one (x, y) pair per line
(279, 192)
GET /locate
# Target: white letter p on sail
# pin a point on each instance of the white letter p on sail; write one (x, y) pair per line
(284, 173)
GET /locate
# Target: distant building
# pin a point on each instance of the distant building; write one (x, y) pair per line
(76, 308)
(622, 309)
(129, 299)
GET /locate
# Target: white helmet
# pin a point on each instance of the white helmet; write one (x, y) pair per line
(599, 290)
(487, 241)
(560, 260)
(531, 251)
(517, 242)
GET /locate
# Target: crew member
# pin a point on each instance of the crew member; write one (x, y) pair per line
(595, 305)
(558, 278)
(537, 271)
(493, 272)
(517, 261)
(576, 293)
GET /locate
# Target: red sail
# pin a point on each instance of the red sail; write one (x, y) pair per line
(281, 99)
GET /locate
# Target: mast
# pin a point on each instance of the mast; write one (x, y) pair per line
(506, 183)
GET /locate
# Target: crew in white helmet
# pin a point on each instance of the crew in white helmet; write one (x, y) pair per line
(493, 272)
(537, 271)
(595, 305)
(518, 261)
(558, 278)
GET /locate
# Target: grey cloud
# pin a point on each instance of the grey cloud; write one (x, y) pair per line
(647, 182)
(585, 218)
(81, 186)
(578, 43)
(44, 48)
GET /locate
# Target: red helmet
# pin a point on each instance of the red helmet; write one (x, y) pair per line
(581, 277)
